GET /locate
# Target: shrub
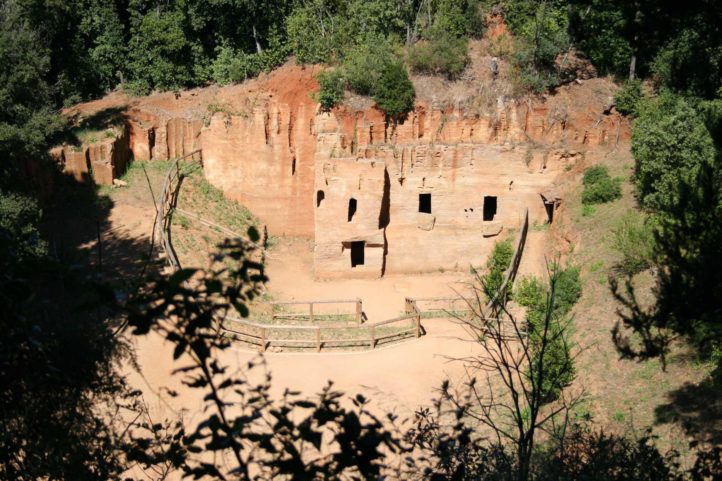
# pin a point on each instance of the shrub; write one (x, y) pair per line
(363, 65)
(628, 97)
(595, 174)
(496, 265)
(531, 294)
(529, 291)
(568, 290)
(331, 86)
(443, 54)
(231, 66)
(633, 238)
(394, 92)
(599, 187)
(20, 240)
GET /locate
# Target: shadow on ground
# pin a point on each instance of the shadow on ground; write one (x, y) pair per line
(697, 408)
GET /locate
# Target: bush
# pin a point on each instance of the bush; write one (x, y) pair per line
(633, 238)
(20, 240)
(363, 65)
(496, 265)
(594, 174)
(628, 97)
(558, 362)
(599, 187)
(231, 66)
(394, 92)
(331, 86)
(529, 291)
(443, 54)
(568, 290)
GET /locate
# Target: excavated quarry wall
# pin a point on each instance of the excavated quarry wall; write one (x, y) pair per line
(356, 184)
(100, 161)
(370, 181)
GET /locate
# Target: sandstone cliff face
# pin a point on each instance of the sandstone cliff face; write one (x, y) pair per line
(265, 160)
(100, 161)
(434, 192)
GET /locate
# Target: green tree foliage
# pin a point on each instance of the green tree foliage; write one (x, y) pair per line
(27, 119)
(312, 32)
(599, 186)
(331, 87)
(20, 241)
(541, 31)
(604, 30)
(628, 98)
(496, 266)
(678, 178)
(160, 53)
(532, 294)
(232, 66)
(363, 64)
(394, 93)
(672, 148)
(443, 54)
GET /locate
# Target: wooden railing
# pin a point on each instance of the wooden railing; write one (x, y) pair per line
(311, 316)
(363, 336)
(510, 273)
(165, 206)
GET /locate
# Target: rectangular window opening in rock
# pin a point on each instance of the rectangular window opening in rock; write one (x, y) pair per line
(550, 211)
(320, 195)
(357, 253)
(425, 203)
(489, 207)
(352, 205)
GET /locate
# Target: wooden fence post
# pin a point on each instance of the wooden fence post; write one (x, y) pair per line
(358, 311)
(263, 339)
(373, 336)
(318, 339)
(418, 325)
(310, 310)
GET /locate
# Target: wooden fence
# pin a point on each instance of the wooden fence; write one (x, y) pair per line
(165, 206)
(510, 273)
(363, 336)
(311, 316)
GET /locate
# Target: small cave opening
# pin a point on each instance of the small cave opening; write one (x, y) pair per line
(550, 211)
(425, 203)
(357, 253)
(320, 195)
(352, 205)
(489, 207)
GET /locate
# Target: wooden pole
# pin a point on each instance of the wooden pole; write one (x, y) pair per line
(358, 311)
(263, 340)
(310, 310)
(373, 336)
(418, 325)
(318, 339)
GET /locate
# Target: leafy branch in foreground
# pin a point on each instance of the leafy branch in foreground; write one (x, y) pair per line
(252, 435)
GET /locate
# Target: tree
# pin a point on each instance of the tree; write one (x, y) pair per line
(678, 180)
(160, 53)
(519, 368)
(395, 93)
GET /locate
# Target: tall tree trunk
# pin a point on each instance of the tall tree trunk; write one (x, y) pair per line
(636, 25)
(259, 49)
